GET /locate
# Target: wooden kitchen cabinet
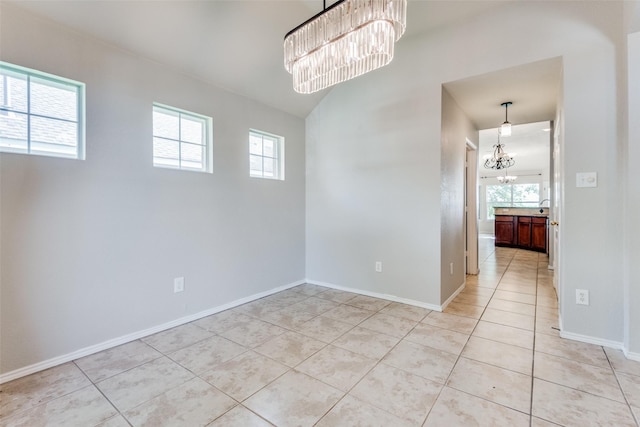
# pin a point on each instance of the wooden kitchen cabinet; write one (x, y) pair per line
(520, 231)
(505, 230)
(524, 231)
(539, 234)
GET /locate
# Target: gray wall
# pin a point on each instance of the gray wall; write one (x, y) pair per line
(632, 232)
(373, 175)
(371, 178)
(90, 248)
(632, 178)
(456, 129)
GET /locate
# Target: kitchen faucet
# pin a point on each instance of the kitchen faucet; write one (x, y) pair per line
(544, 200)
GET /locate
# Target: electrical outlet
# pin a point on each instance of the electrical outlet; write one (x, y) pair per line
(582, 297)
(379, 266)
(451, 269)
(178, 284)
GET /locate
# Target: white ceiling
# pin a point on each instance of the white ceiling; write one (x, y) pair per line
(533, 89)
(234, 44)
(529, 144)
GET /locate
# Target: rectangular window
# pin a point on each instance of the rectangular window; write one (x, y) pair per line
(266, 155)
(181, 140)
(40, 113)
(512, 195)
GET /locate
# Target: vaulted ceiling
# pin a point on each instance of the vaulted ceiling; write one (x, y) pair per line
(233, 44)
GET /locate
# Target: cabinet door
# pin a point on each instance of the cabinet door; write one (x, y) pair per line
(539, 234)
(524, 232)
(505, 230)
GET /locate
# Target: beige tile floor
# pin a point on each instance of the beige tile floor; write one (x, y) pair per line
(317, 356)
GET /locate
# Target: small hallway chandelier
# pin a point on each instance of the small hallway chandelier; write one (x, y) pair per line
(346, 40)
(500, 159)
(506, 179)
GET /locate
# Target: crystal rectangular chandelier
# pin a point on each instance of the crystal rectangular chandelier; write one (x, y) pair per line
(350, 38)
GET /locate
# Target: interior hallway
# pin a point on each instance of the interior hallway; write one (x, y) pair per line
(317, 356)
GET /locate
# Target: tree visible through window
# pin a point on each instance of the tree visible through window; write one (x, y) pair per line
(511, 195)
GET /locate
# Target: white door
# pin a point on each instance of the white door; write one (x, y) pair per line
(471, 208)
(554, 220)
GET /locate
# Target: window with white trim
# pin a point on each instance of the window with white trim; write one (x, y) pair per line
(40, 113)
(511, 195)
(266, 155)
(181, 139)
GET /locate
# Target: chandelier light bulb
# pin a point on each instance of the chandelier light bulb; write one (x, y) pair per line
(505, 129)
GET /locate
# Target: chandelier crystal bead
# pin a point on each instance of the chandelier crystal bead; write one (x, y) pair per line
(350, 38)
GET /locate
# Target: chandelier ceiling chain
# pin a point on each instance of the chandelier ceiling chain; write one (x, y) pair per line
(346, 40)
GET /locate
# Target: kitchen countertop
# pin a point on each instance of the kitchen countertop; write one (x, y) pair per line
(534, 211)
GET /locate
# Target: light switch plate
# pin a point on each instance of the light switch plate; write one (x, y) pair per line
(587, 179)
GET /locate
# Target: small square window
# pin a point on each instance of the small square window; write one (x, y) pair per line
(266, 155)
(40, 113)
(181, 139)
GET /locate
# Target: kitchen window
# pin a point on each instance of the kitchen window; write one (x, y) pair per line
(511, 195)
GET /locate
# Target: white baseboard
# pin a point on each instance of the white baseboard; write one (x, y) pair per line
(631, 355)
(454, 295)
(50, 363)
(592, 340)
(605, 343)
(599, 341)
(377, 295)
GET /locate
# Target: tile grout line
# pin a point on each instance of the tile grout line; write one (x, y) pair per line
(492, 296)
(471, 334)
(293, 368)
(289, 368)
(167, 356)
(248, 349)
(378, 362)
(95, 385)
(624, 395)
(533, 350)
(459, 355)
(353, 326)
